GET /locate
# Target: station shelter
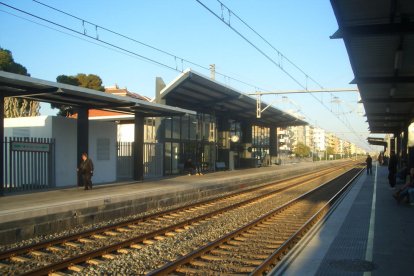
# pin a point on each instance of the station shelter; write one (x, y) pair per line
(379, 39)
(21, 158)
(225, 132)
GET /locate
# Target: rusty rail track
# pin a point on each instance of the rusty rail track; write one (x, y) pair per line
(136, 241)
(236, 247)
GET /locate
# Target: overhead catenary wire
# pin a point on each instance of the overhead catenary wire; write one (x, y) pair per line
(280, 54)
(98, 40)
(175, 57)
(69, 34)
(85, 34)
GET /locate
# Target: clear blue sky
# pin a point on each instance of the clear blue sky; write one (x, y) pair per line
(300, 29)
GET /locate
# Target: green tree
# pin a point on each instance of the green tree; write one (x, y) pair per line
(90, 81)
(16, 107)
(301, 150)
(329, 151)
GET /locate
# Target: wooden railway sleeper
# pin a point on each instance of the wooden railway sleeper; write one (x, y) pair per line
(76, 268)
(247, 254)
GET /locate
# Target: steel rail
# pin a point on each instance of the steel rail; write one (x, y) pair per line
(272, 259)
(127, 243)
(139, 239)
(172, 266)
(26, 249)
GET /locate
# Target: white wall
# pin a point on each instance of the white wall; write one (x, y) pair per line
(64, 130)
(39, 126)
(105, 170)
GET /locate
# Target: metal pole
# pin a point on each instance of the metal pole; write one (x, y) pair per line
(2, 169)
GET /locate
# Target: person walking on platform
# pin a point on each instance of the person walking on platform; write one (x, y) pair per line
(86, 171)
(392, 170)
(368, 161)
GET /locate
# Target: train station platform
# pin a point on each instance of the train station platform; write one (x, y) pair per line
(368, 233)
(29, 215)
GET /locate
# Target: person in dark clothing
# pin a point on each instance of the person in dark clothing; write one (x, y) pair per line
(189, 166)
(392, 170)
(368, 161)
(86, 171)
(198, 165)
(404, 191)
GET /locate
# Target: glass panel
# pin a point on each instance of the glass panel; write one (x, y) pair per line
(167, 161)
(167, 124)
(206, 127)
(212, 132)
(193, 127)
(176, 128)
(175, 150)
(149, 130)
(184, 127)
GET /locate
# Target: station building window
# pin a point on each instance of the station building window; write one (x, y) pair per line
(260, 142)
(186, 137)
(235, 129)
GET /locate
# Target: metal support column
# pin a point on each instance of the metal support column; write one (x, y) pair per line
(404, 145)
(399, 148)
(2, 145)
(138, 147)
(83, 134)
(273, 142)
(392, 145)
(247, 132)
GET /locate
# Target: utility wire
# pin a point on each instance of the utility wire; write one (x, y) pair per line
(144, 44)
(230, 12)
(129, 52)
(268, 43)
(85, 34)
(69, 34)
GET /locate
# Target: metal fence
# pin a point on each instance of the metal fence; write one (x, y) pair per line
(125, 161)
(29, 164)
(153, 161)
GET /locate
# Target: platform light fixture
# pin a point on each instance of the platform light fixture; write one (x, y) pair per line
(398, 59)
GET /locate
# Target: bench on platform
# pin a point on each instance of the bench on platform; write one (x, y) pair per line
(220, 166)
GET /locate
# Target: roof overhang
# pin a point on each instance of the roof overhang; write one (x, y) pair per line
(379, 38)
(377, 141)
(193, 90)
(14, 85)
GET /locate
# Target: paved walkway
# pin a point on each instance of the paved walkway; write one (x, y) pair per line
(369, 233)
(23, 206)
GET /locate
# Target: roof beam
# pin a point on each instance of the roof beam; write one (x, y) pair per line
(387, 100)
(389, 114)
(385, 120)
(374, 30)
(392, 79)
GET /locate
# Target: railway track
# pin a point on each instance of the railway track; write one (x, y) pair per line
(72, 253)
(255, 248)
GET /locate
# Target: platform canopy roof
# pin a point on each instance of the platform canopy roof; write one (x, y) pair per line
(377, 141)
(194, 91)
(379, 38)
(14, 85)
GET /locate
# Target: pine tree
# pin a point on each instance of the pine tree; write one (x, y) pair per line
(16, 107)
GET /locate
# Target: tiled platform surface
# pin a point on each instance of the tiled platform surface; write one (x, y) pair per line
(28, 215)
(369, 233)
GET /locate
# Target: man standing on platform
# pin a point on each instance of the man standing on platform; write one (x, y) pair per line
(369, 164)
(86, 171)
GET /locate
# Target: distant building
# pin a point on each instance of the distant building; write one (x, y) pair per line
(319, 139)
